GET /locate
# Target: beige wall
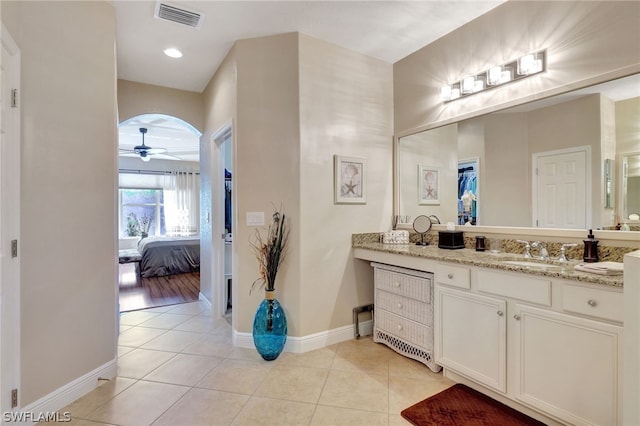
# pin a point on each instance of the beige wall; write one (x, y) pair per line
(506, 185)
(267, 167)
(435, 148)
(586, 42)
(220, 99)
(299, 102)
(138, 98)
(627, 126)
(68, 180)
(346, 108)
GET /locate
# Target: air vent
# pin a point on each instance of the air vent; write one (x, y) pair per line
(179, 15)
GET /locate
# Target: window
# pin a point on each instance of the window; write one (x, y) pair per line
(140, 206)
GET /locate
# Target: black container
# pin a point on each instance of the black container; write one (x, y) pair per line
(450, 240)
(590, 248)
(480, 243)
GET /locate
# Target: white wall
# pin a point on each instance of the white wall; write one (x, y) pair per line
(68, 181)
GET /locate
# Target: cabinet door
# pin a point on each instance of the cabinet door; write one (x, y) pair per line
(568, 366)
(470, 336)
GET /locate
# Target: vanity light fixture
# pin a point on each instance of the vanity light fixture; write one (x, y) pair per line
(524, 66)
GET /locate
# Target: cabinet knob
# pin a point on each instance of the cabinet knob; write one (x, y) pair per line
(592, 303)
(399, 305)
(399, 327)
(450, 276)
(397, 283)
(516, 317)
(500, 313)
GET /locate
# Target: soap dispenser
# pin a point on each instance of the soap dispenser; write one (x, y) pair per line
(590, 248)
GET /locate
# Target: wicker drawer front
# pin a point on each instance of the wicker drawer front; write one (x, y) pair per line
(411, 331)
(404, 306)
(403, 284)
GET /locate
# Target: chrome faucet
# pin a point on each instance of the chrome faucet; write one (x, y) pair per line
(563, 252)
(527, 248)
(544, 254)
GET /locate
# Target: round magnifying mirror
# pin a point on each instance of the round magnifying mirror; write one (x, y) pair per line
(421, 225)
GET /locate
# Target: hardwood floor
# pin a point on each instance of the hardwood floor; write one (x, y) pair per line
(136, 293)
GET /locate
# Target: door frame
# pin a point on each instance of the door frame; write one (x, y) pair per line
(218, 282)
(588, 180)
(10, 230)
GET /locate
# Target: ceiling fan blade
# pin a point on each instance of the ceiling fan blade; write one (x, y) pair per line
(128, 154)
(166, 157)
(156, 151)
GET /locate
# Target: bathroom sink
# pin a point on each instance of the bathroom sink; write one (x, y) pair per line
(530, 264)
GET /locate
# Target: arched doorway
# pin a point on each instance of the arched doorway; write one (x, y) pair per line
(158, 211)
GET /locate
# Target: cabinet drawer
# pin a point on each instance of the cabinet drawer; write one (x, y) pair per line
(410, 308)
(593, 302)
(457, 276)
(403, 284)
(516, 286)
(410, 331)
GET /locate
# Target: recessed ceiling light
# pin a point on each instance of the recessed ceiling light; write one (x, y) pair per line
(173, 53)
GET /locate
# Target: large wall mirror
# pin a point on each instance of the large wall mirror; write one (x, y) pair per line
(571, 161)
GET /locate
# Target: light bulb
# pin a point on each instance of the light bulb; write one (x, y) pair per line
(466, 85)
(445, 93)
(493, 76)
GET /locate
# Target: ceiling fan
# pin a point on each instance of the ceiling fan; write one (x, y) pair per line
(145, 152)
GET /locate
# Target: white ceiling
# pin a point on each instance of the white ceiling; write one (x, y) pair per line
(387, 30)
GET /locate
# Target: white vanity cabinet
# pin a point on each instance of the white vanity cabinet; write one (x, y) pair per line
(403, 315)
(471, 336)
(552, 345)
(567, 366)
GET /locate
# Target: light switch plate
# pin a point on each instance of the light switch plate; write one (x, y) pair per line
(255, 218)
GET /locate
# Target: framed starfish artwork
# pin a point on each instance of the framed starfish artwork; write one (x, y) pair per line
(350, 175)
(428, 185)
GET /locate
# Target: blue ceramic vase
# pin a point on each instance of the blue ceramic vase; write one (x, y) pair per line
(269, 329)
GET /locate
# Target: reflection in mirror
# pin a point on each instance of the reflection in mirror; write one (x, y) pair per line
(565, 138)
(631, 188)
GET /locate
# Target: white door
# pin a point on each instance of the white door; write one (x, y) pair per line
(9, 221)
(560, 189)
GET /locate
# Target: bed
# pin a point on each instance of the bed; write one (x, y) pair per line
(168, 255)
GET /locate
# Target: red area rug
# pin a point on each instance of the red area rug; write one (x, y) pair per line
(462, 406)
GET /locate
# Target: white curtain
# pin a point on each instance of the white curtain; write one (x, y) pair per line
(182, 204)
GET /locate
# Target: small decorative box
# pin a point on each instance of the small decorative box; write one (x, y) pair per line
(450, 240)
(395, 237)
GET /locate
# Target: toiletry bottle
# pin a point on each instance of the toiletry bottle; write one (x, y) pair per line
(625, 227)
(590, 248)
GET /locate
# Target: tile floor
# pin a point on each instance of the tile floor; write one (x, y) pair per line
(177, 366)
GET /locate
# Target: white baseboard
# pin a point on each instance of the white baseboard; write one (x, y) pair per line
(68, 393)
(312, 341)
(207, 302)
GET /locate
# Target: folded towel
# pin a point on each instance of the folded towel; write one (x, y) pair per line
(602, 268)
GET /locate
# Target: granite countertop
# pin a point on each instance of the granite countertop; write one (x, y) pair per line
(493, 260)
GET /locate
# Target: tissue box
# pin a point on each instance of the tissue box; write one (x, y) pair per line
(450, 240)
(395, 237)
